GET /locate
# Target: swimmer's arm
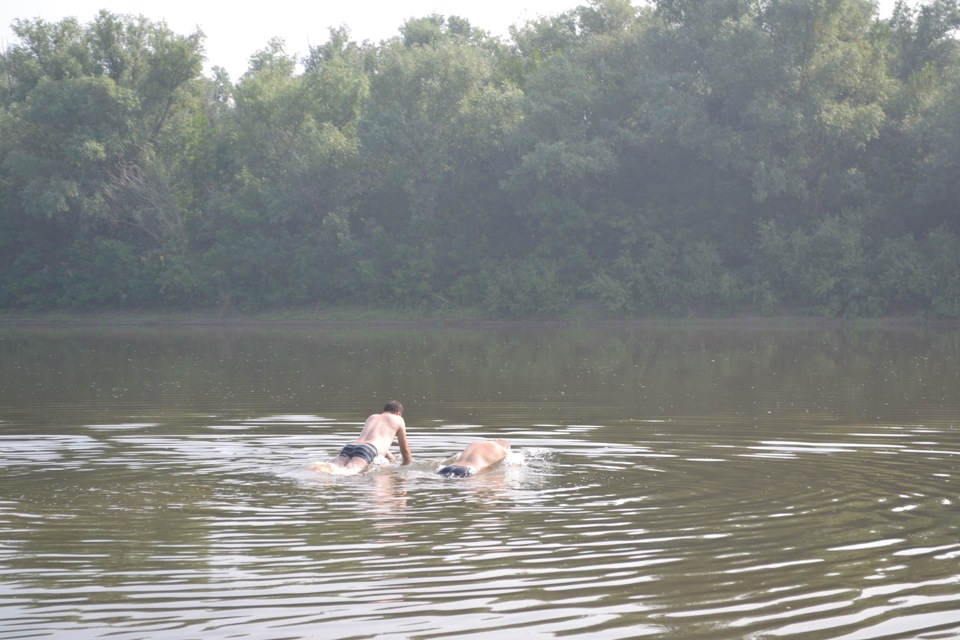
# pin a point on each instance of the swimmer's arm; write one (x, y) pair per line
(404, 445)
(389, 456)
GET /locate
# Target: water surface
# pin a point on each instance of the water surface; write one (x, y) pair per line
(666, 483)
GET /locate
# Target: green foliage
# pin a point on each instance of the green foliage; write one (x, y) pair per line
(942, 278)
(825, 271)
(919, 35)
(28, 277)
(527, 287)
(104, 273)
(680, 158)
(179, 282)
(69, 131)
(295, 135)
(623, 287)
(679, 279)
(787, 94)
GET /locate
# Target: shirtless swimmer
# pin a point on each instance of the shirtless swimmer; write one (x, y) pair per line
(375, 439)
(477, 456)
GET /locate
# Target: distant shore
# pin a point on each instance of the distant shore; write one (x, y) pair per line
(349, 317)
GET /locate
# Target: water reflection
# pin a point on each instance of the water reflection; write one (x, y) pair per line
(689, 483)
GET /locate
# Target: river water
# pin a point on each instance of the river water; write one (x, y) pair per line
(685, 482)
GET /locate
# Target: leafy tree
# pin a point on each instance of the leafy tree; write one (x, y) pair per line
(921, 36)
(941, 283)
(72, 132)
(825, 271)
(434, 132)
(46, 50)
(93, 106)
(932, 190)
(294, 137)
(786, 93)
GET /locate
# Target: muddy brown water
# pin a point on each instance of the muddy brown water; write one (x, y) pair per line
(688, 482)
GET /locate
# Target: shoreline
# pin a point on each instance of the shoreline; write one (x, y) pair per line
(344, 318)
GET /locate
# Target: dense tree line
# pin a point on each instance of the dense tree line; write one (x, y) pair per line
(687, 156)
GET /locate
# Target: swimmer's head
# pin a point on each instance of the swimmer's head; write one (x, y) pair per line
(393, 407)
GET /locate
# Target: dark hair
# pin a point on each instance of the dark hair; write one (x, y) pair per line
(393, 407)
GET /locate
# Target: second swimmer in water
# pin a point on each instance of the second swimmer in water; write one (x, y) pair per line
(478, 455)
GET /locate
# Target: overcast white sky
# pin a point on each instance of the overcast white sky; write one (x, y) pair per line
(235, 31)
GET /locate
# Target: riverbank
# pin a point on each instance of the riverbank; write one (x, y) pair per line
(358, 316)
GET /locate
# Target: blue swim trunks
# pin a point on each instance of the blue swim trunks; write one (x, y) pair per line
(456, 471)
(363, 450)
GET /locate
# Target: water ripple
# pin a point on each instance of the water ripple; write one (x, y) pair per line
(726, 509)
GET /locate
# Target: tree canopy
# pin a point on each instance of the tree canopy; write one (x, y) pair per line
(678, 157)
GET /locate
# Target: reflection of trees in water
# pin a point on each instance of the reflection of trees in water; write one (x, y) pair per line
(508, 375)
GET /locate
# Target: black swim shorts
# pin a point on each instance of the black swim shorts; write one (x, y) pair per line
(456, 471)
(363, 450)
